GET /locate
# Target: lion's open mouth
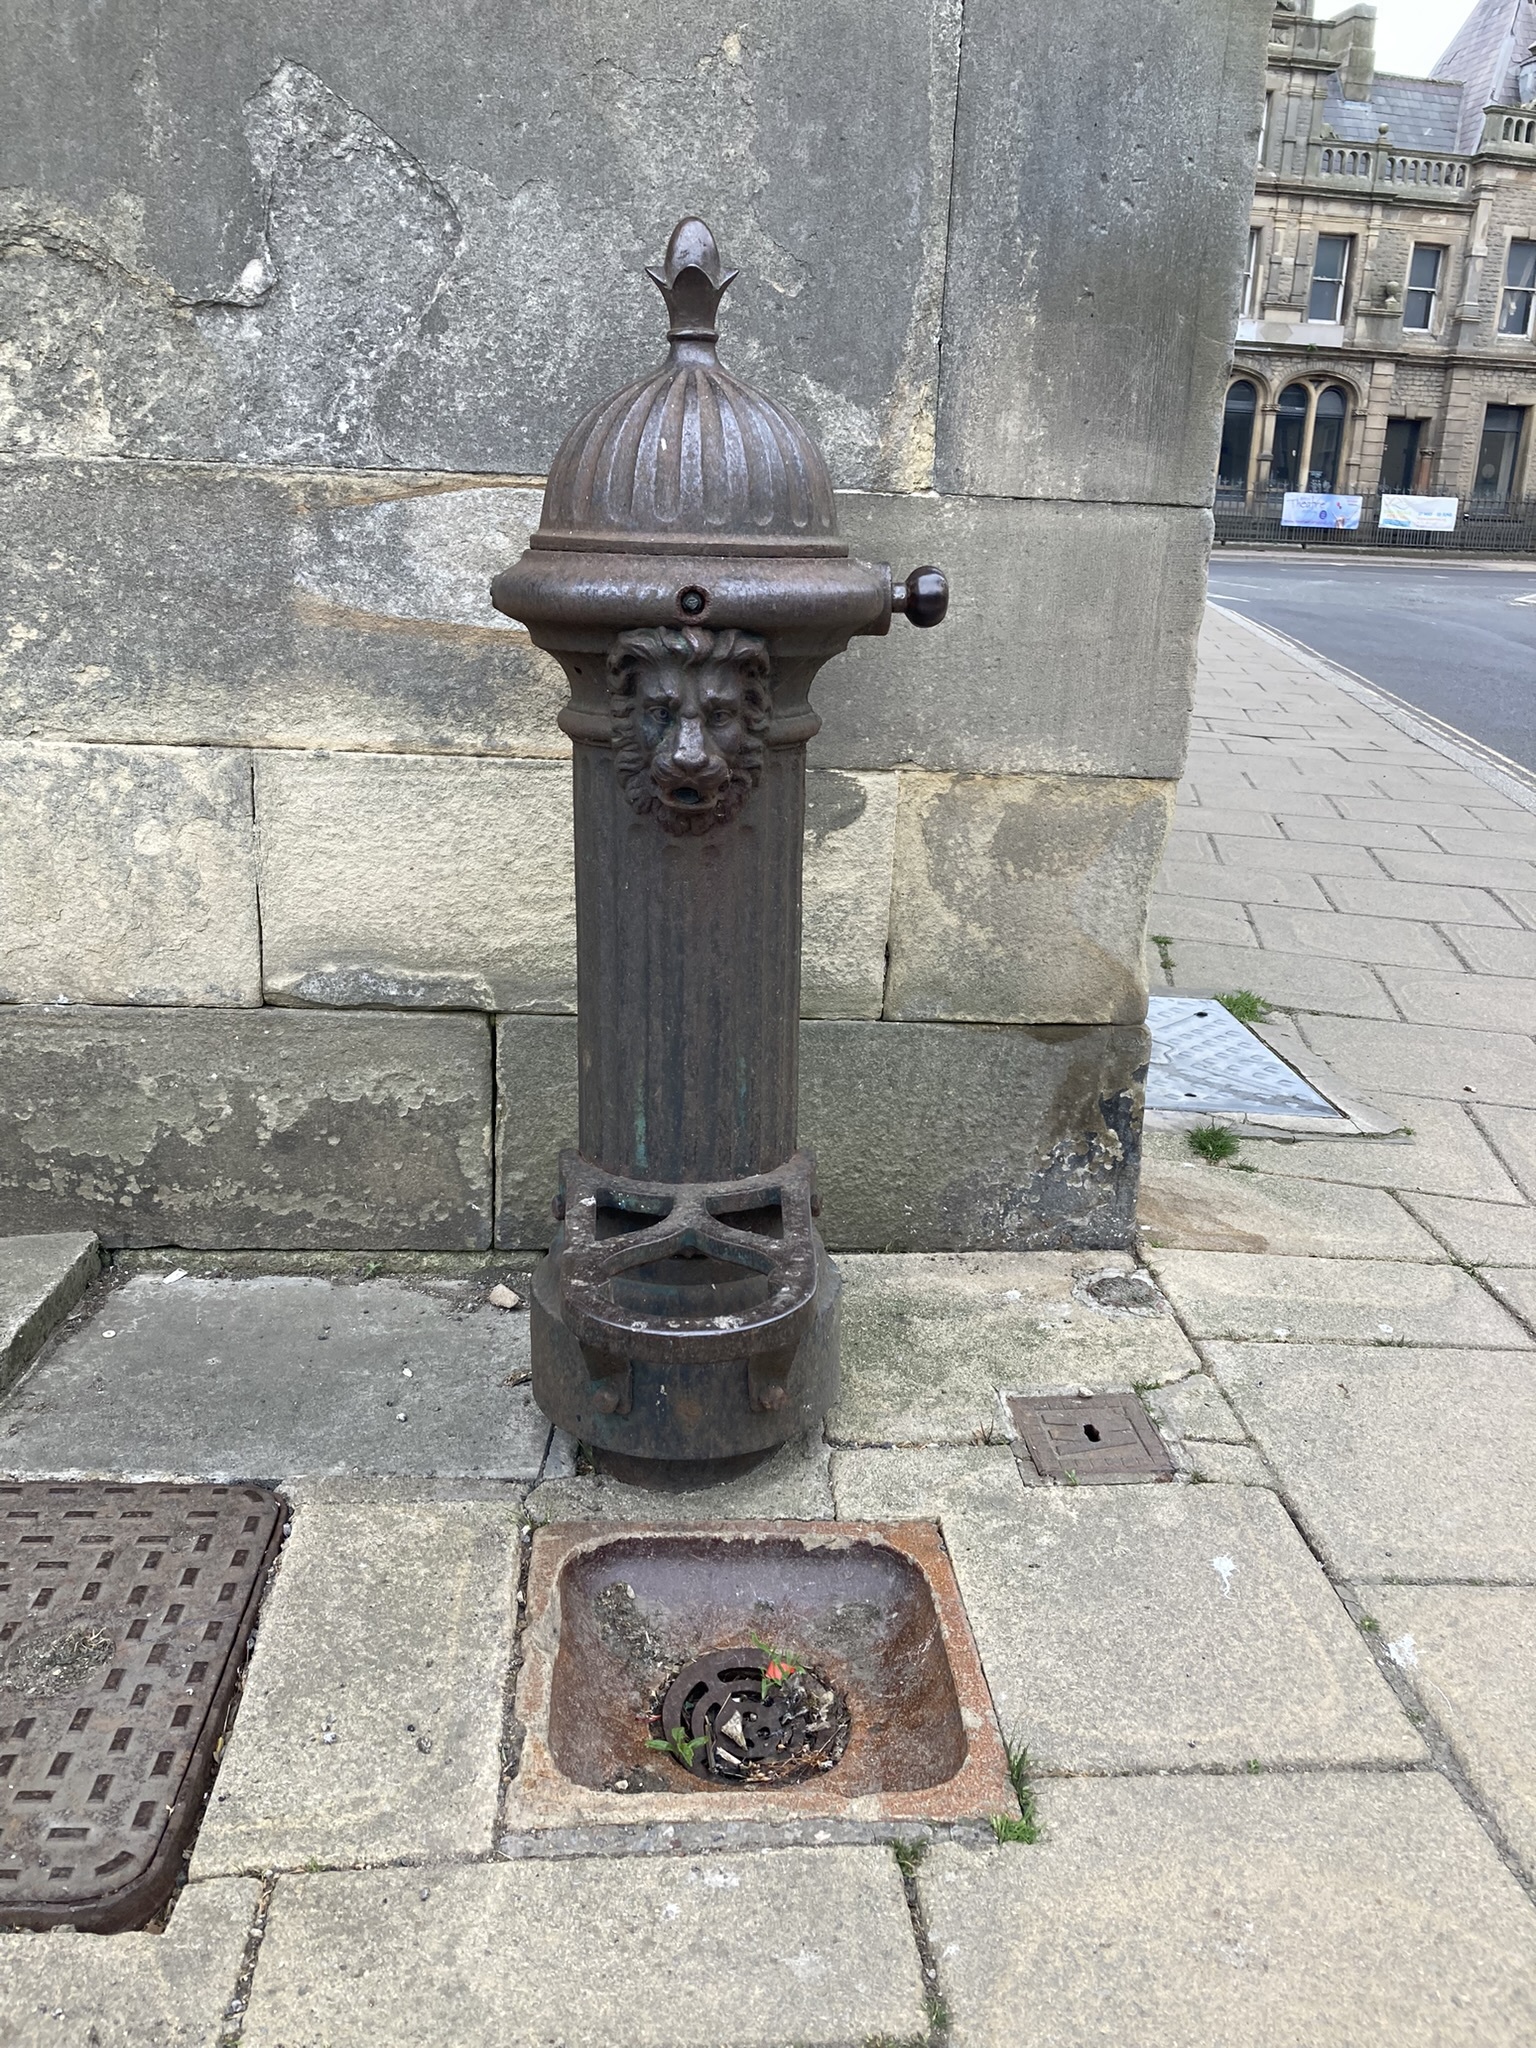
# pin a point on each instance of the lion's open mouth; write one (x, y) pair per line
(687, 796)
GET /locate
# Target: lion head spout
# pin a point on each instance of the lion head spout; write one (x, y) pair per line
(690, 708)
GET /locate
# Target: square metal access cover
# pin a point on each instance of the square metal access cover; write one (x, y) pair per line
(124, 1611)
(1205, 1063)
(1090, 1439)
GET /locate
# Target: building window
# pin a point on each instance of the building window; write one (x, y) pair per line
(1269, 108)
(1422, 295)
(1251, 274)
(1498, 455)
(1327, 439)
(1330, 274)
(1519, 289)
(1290, 432)
(1400, 456)
(1237, 436)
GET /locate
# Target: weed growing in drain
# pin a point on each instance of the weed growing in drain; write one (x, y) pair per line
(1245, 1006)
(1212, 1143)
(679, 1744)
(1025, 1827)
(780, 1667)
(1164, 947)
(908, 1856)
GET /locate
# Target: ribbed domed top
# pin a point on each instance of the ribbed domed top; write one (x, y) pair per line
(690, 456)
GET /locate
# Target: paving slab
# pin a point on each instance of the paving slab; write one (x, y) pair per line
(1337, 1911)
(272, 1377)
(1196, 1410)
(1395, 831)
(1515, 1285)
(1225, 1464)
(1440, 1151)
(1379, 941)
(41, 1279)
(1469, 1652)
(1476, 1002)
(1248, 883)
(1399, 1464)
(370, 1724)
(1191, 1206)
(1421, 900)
(1468, 870)
(929, 1339)
(1192, 816)
(1482, 1233)
(1427, 1059)
(812, 1946)
(1513, 1131)
(1290, 981)
(1302, 855)
(1346, 1301)
(792, 1484)
(1492, 951)
(170, 1990)
(1189, 917)
(1128, 1628)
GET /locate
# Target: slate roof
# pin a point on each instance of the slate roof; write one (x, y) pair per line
(1484, 55)
(1419, 113)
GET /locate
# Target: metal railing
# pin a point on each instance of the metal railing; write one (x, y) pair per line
(1484, 526)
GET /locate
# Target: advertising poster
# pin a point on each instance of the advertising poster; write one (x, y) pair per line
(1316, 508)
(1401, 514)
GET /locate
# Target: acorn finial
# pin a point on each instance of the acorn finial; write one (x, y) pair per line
(693, 282)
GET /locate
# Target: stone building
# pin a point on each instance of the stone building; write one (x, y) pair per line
(1387, 327)
(296, 305)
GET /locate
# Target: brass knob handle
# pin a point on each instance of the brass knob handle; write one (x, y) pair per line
(924, 597)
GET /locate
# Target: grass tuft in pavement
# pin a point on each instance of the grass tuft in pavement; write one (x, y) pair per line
(1212, 1142)
(1245, 1006)
(1025, 1825)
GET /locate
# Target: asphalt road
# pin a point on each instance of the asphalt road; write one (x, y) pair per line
(1457, 641)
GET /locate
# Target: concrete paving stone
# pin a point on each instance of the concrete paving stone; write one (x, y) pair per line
(1394, 810)
(1422, 900)
(1217, 1464)
(1427, 1059)
(1516, 1286)
(1189, 917)
(1199, 817)
(1399, 1464)
(1522, 902)
(370, 1723)
(273, 1377)
(1482, 1233)
(1513, 1131)
(1506, 842)
(1187, 1205)
(1479, 1002)
(1398, 832)
(792, 1484)
(928, 1340)
(1380, 941)
(1289, 981)
(1446, 1154)
(1492, 951)
(1307, 856)
(1504, 817)
(1195, 1410)
(1235, 884)
(1248, 1297)
(812, 1946)
(41, 1279)
(170, 1990)
(1469, 1652)
(1466, 870)
(1139, 1628)
(1342, 1911)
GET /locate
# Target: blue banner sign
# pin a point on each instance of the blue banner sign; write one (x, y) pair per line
(1315, 508)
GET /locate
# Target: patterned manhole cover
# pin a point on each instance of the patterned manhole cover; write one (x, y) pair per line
(124, 1612)
(1090, 1439)
(1205, 1063)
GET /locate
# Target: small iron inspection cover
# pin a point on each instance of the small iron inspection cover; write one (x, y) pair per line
(124, 1614)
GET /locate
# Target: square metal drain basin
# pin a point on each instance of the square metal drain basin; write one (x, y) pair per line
(124, 1612)
(626, 1620)
(1090, 1439)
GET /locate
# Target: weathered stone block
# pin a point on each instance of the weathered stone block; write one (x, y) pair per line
(357, 259)
(1069, 647)
(41, 1279)
(1001, 1137)
(247, 1127)
(1024, 897)
(288, 609)
(418, 881)
(1101, 190)
(850, 828)
(126, 875)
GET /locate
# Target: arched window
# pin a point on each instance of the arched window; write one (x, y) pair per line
(1328, 439)
(1290, 431)
(1237, 436)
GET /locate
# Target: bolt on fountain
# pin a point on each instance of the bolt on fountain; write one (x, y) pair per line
(688, 576)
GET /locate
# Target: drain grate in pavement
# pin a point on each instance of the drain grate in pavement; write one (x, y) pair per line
(1090, 1439)
(1205, 1063)
(124, 1613)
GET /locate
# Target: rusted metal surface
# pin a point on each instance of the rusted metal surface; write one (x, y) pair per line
(618, 1614)
(1090, 1439)
(688, 575)
(124, 1615)
(751, 1715)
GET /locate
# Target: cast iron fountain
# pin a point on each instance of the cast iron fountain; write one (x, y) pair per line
(688, 576)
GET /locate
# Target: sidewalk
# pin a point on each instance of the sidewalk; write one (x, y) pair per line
(1280, 1715)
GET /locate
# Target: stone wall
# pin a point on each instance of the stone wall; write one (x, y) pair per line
(296, 305)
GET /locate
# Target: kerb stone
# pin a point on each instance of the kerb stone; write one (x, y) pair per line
(41, 1279)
